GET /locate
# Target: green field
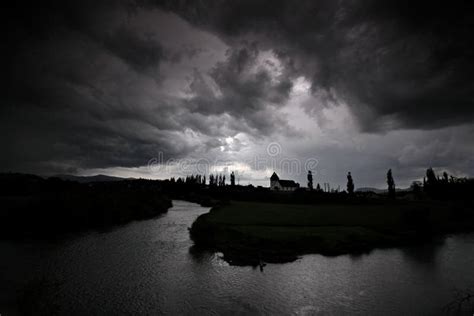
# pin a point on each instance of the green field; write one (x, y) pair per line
(248, 232)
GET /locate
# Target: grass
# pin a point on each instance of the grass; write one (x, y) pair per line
(246, 213)
(248, 232)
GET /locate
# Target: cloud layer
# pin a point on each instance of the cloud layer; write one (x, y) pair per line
(361, 85)
(397, 64)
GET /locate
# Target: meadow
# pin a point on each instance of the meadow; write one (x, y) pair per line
(251, 232)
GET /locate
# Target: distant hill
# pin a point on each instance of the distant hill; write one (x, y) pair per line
(88, 179)
(368, 189)
(379, 191)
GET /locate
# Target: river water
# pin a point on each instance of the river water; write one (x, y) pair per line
(150, 267)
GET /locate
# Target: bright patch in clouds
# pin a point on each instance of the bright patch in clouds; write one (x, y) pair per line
(126, 85)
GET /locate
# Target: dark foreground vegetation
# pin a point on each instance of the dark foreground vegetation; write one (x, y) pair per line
(265, 226)
(250, 225)
(250, 232)
(32, 206)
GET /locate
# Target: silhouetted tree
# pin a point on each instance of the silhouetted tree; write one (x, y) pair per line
(391, 184)
(310, 180)
(445, 177)
(232, 178)
(430, 177)
(431, 181)
(452, 179)
(350, 184)
(318, 188)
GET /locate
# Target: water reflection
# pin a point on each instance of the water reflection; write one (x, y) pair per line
(424, 254)
(152, 267)
(200, 254)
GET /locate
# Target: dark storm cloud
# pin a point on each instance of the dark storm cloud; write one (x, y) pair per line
(245, 90)
(83, 81)
(396, 63)
(82, 88)
(140, 53)
(77, 90)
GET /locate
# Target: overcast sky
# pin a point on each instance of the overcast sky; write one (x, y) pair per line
(167, 88)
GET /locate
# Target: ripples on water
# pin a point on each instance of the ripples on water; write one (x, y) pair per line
(150, 267)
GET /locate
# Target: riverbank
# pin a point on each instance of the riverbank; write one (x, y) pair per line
(148, 267)
(248, 233)
(33, 207)
(52, 217)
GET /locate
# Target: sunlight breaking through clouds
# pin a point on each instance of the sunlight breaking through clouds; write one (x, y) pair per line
(127, 82)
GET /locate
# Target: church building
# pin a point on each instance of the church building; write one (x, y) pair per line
(282, 185)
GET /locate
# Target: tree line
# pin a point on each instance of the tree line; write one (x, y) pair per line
(215, 180)
(432, 185)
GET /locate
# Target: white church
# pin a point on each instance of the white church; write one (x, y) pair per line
(282, 185)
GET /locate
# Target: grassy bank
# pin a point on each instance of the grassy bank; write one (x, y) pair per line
(248, 232)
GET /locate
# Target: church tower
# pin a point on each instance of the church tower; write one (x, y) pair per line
(274, 182)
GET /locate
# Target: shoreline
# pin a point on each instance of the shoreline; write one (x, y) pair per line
(247, 242)
(55, 218)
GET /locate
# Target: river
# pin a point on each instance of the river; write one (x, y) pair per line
(150, 267)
